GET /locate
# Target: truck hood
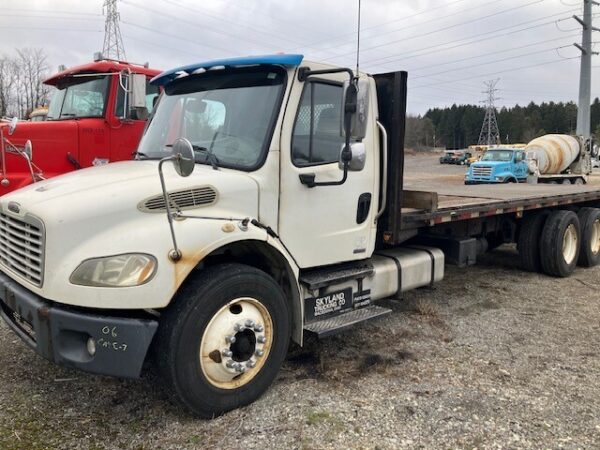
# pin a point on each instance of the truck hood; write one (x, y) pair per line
(495, 165)
(120, 188)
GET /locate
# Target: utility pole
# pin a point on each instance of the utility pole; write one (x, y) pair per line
(113, 43)
(490, 134)
(585, 73)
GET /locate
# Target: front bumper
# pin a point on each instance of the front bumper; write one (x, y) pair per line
(483, 181)
(61, 334)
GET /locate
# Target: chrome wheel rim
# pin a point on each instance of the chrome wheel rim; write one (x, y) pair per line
(236, 343)
(570, 243)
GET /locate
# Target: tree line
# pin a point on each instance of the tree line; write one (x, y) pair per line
(458, 126)
(21, 82)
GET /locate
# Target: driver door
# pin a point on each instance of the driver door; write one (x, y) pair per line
(324, 224)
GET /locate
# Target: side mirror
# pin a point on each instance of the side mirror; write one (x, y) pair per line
(137, 96)
(358, 106)
(183, 153)
(13, 126)
(359, 157)
(28, 149)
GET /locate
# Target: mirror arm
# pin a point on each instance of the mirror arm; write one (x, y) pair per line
(305, 72)
(175, 254)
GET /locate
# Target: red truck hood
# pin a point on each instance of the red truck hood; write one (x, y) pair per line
(51, 141)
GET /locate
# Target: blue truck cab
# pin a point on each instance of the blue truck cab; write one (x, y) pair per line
(499, 165)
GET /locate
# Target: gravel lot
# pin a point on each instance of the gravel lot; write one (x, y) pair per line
(491, 358)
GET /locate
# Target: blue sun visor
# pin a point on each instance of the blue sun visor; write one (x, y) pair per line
(280, 60)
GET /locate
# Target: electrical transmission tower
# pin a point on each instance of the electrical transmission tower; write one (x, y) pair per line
(585, 73)
(113, 43)
(490, 134)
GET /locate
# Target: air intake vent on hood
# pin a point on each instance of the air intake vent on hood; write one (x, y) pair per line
(182, 199)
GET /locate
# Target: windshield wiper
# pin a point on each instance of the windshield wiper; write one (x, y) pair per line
(209, 157)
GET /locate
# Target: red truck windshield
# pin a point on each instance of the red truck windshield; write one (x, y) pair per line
(80, 96)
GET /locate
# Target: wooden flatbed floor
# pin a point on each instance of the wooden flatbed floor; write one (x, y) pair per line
(443, 196)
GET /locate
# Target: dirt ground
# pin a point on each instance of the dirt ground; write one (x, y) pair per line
(491, 358)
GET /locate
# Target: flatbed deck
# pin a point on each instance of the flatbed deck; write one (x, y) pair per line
(440, 195)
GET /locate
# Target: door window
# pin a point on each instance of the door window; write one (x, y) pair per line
(317, 137)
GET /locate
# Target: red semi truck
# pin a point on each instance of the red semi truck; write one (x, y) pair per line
(96, 115)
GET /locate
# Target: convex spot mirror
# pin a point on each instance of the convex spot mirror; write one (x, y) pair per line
(359, 157)
(359, 118)
(183, 157)
(28, 149)
(13, 126)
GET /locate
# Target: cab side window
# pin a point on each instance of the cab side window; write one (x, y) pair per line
(317, 136)
(152, 93)
(519, 157)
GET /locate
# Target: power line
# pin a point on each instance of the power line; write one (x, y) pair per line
(50, 11)
(477, 38)
(67, 30)
(520, 47)
(441, 29)
(45, 17)
(462, 11)
(247, 24)
(494, 61)
(497, 72)
(197, 25)
(174, 36)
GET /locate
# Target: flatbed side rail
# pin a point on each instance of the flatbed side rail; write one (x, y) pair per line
(418, 219)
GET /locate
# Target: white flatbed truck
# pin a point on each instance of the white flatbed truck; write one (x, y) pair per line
(241, 225)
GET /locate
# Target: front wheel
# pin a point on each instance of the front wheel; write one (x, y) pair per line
(222, 343)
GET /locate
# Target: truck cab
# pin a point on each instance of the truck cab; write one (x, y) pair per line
(499, 165)
(90, 121)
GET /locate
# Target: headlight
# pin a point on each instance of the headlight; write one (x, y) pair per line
(132, 269)
(499, 178)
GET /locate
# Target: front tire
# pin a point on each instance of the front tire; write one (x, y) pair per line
(224, 339)
(559, 244)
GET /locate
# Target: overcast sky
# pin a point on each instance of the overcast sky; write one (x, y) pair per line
(449, 47)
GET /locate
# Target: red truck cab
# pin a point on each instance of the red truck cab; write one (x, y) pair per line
(96, 115)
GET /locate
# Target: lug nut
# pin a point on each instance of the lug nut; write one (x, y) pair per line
(227, 353)
(249, 323)
(259, 353)
(238, 327)
(230, 339)
(261, 339)
(258, 328)
(250, 363)
(230, 364)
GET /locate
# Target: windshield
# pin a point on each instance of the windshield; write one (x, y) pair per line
(498, 155)
(79, 97)
(228, 116)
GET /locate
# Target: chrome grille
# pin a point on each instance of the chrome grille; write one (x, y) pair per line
(182, 199)
(22, 246)
(482, 171)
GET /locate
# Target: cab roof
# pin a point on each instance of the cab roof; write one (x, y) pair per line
(291, 60)
(102, 66)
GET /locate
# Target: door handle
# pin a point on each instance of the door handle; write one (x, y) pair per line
(364, 205)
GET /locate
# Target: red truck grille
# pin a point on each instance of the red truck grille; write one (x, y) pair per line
(22, 247)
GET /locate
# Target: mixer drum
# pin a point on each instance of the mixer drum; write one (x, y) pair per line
(554, 152)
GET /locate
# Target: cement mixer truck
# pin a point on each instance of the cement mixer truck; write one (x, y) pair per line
(553, 158)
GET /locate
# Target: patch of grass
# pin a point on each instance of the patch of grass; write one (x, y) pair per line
(426, 309)
(317, 417)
